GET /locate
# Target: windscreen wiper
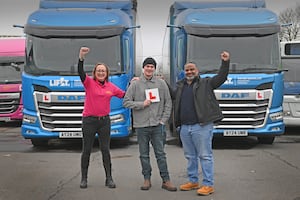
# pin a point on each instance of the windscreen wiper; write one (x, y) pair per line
(116, 72)
(47, 72)
(209, 71)
(261, 69)
(15, 66)
(15, 81)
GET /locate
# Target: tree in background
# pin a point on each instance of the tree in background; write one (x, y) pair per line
(290, 19)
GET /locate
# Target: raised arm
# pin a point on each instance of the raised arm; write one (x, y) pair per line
(82, 52)
(221, 77)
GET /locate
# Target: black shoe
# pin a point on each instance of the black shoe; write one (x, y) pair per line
(110, 183)
(83, 184)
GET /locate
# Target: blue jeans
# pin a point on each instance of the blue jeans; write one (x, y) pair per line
(156, 136)
(197, 146)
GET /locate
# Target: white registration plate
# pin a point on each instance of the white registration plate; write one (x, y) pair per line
(70, 134)
(236, 133)
(5, 119)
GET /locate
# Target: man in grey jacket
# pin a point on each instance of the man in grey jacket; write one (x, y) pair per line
(151, 104)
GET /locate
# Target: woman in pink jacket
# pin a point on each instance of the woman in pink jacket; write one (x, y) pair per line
(95, 116)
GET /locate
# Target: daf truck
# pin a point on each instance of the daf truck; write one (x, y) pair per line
(12, 58)
(52, 91)
(290, 57)
(251, 98)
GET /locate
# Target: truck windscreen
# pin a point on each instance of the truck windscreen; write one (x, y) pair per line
(249, 54)
(59, 56)
(293, 67)
(10, 72)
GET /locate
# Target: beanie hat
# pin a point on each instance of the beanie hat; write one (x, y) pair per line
(149, 60)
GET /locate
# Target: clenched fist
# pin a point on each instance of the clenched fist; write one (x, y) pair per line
(82, 52)
(225, 56)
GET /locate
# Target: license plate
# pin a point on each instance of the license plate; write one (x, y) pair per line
(235, 133)
(4, 119)
(70, 134)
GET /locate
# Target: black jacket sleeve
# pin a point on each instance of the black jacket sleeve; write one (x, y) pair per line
(171, 91)
(81, 71)
(221, 77)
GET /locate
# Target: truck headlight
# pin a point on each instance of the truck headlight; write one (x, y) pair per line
(276, 116)
(29, 119)
(116, 118)
(286, 113)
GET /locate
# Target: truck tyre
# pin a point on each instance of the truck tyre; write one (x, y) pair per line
(173, 130)
(39, 142)
(266, 140)
(120, 141)
(175, 133)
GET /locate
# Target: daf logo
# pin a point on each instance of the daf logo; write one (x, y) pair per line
(59, 82)
(70, 98)
(234, 95)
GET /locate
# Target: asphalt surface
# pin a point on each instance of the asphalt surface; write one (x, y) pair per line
(244, 170)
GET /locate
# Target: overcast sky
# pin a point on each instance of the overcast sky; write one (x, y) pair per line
(152, 16)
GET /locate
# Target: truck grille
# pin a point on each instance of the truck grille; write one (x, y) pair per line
(9, 102)
(244, 109)
(60, 111)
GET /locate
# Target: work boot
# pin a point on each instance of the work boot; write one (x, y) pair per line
(83, 183)
(205, 190)
(109, 182)
(167, 185)
(146, 185)
(189, 186)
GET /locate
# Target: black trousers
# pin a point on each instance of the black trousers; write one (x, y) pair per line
(91, 126)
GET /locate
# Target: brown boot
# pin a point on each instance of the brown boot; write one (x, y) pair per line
(146, 185)
(205, 190)
(189, 186)
(167, 185)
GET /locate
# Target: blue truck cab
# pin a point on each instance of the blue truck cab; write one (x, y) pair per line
(251, 98)
(52, 91)
(290, 57)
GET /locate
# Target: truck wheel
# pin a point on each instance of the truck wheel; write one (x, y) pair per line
(120, 141)
(179, 141)
(175, 133)
(39, 142)
(266, 140)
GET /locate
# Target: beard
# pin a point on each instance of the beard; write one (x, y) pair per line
(190, 78)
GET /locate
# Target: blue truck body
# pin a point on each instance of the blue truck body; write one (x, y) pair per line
(290, 57)
(251, 98)
(52, 91)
